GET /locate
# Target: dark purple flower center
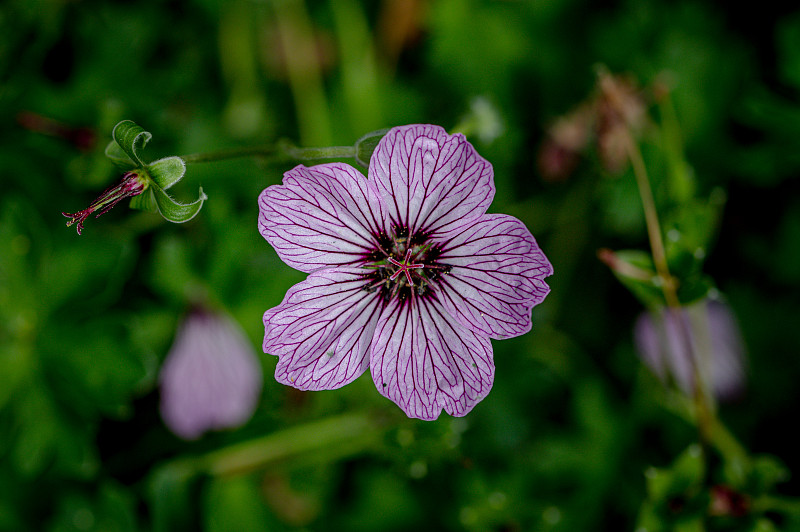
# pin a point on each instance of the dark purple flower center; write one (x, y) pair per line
(403, 265)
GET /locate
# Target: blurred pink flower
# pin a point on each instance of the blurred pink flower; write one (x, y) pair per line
(211, 378)
(565, 140)
(716, 345)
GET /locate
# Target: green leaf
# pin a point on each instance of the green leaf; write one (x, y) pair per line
(694, 288)
(131, 138)
(636, 271)
(171, 494)
(167, 171)
(118, 156)
(685, 473)
(144, 202)
(233, 503)
(367, 144)
(768, 471)
(174, 211)
(691, 227)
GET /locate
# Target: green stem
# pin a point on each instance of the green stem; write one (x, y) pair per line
(313, 154)
(280, 150)
(651, 220)
(705, 415)
(784, 505)
(231, 153)
(330, 437)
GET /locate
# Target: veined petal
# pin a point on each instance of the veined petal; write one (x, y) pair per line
(431, 181)
(322, 330)
(211, 378)
(424, 360)
(319, 217)
(497, 276)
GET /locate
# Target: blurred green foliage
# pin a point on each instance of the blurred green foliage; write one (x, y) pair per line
(576, 435)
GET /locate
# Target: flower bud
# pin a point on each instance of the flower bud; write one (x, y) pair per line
(211, 378)
(621, 114)
(714, 347)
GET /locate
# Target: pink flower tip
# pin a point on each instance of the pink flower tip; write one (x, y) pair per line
(211, 378)
(133, 183)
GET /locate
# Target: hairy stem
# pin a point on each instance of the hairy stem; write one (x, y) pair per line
(280, 150)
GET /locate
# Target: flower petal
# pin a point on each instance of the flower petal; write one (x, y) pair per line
(497, 276)
(211, 378)
(423, 360)
(715, 346)
(431, 181)
(323, 216)
(322, 330)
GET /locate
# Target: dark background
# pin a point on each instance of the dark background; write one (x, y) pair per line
(573, 421)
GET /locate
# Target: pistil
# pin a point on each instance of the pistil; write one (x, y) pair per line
(404, 267)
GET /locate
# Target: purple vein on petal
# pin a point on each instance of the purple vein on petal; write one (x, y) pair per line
(434, 180)
(425, 362)
(467, 356)
(317, 218)
(322, 330)
(496, 277)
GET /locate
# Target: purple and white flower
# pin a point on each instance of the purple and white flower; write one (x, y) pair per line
(211, 378)
(408, 275)
(715, 349)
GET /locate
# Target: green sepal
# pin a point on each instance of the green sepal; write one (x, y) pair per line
(167, 171)
(690, 229)
(636, 271)
(131, 138)
(767, 472)
(694, 289)
(676, 499)
(367, 144)
(118, 156)
(144, 202)
(173, 211)
(685, 474)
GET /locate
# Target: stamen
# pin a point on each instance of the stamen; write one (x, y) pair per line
(374, 286)
(132, 184)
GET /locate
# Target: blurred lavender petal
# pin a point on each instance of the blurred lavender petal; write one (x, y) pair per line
(715, 341)
(211, 378)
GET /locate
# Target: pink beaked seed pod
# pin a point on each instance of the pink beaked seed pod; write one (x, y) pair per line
(716, 345)
(211, 378)
(133, 183)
